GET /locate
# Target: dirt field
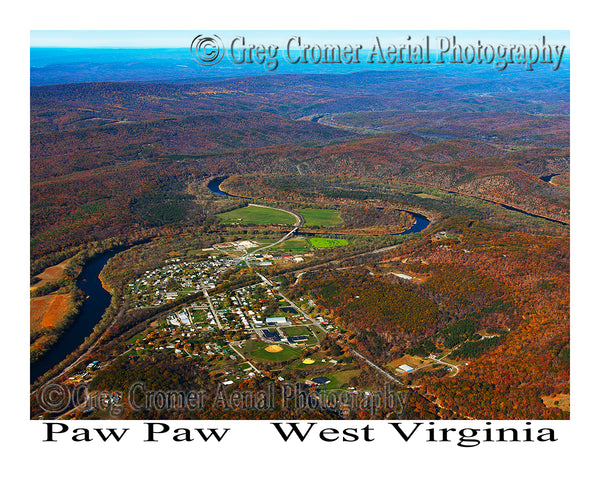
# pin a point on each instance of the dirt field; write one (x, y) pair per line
(47, 311)
(562, 401)
(563, 180)
(51, 274)
(273, 348)
(411, 360)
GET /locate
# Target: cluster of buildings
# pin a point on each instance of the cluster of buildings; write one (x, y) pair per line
(176, 278)
(277, 336)
(181, 318)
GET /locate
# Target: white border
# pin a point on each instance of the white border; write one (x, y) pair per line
(256, 450)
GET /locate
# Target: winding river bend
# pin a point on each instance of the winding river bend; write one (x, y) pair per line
(96, 302)
(215, 186)
(421, 222)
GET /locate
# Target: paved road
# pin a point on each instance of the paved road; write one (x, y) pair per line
(230, 344)
(341, 260)
(299, 218)
(243, 357)
(282, 239)
(378, 368)
(210, 304)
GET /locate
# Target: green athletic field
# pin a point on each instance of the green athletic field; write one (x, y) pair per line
(319, 242)
(257, 350)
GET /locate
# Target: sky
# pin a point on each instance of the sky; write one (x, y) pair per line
(182, 38)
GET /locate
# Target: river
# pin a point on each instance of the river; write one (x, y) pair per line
(96, 302)
(215, 186)
(421, 222)
(548, 178)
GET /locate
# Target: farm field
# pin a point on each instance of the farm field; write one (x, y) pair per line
(316, 217)
(49, 310)
(252, 215)
(51, 274)
(319, 242)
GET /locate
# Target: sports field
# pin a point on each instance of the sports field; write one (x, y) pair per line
(316, 217)
(252, 215)
(293, 331)
(319, 242)
(293, 245)
(259, 351)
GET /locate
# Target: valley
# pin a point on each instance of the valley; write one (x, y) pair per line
(333, 234)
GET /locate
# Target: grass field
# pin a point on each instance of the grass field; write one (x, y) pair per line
(199, 316)
(51, 274)
(340, 379)
(319, 242)
(257, 350)
(257, 216)
(315, 217)
(293, 245)
(136, 337)
(295, 331)
(426, 195)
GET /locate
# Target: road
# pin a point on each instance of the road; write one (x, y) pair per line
(299, 219)
(232, 346)
(282, 239)
(378, 368)
(439, 361)
(211, 306)
(215, 315)
(341, 260)
(297, 225)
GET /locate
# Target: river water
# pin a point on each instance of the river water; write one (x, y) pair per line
(96, 302)
(215, 186)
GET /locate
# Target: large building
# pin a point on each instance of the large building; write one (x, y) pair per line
(277, 321)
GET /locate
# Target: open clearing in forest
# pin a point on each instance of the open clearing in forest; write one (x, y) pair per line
(253, 215)
(47, 311)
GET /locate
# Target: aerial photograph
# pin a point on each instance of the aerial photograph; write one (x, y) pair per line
(299, 225)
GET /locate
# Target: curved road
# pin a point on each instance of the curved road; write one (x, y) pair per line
(299, 218)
